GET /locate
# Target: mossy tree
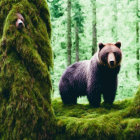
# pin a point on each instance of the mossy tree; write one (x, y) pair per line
(25, 60)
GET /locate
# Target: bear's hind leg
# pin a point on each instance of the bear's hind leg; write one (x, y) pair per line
(67, 93)
(68, 96)
(68, 99)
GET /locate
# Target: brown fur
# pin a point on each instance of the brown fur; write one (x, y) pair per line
(108, 52)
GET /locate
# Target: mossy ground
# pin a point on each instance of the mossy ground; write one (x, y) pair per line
(119, 122)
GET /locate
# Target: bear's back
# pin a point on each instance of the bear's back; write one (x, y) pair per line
(75, 77)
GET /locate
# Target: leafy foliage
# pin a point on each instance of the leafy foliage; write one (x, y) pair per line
(78, 15)
(56, 9)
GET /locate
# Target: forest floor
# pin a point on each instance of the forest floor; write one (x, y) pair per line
(81, 121)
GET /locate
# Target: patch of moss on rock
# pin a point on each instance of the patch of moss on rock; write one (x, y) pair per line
(25, 60)
(82, 122)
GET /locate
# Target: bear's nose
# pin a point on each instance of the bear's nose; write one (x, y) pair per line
(111, 63)
(19, 24)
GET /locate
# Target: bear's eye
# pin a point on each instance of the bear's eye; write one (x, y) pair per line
(117, 56)
(106, 56)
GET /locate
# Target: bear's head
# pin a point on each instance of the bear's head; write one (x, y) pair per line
(109, 54)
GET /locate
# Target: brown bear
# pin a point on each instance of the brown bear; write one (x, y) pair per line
(93, 77)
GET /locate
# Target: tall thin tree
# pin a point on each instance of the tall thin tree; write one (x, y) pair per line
(77, 42)
(78, 19)
(137, 40)
(69, 43)
(94, 29)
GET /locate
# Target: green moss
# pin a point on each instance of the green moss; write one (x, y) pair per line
(132, 128)
(25, 60)
(121, 121)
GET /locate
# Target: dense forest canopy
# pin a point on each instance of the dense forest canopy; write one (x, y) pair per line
(115, 21)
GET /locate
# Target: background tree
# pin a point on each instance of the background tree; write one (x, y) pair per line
(138, 39)
(78, 20)
(77, 42)
(94, 29)
(69, 43)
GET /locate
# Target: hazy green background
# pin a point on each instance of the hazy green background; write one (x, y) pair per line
(126, 33)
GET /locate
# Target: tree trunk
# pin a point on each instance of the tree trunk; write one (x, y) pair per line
(25, 59)
(94, 29)
(69, 44)
(137, 42)
(137, 51)
(77, 42)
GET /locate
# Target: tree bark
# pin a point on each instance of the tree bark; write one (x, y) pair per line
(69, 43)
(137, 42)
(77, 42)
(94, 29)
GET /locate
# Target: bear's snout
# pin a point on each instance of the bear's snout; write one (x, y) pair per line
(111, 60)
(20, 21)
(19, 24)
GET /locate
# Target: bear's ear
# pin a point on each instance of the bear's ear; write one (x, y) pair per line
(118, 44)
(101, 45)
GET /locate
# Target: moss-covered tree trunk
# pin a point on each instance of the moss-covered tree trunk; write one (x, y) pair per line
(25, 60)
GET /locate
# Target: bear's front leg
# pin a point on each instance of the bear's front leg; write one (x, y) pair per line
(109, 93)
(94, 96)
(108, 98)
